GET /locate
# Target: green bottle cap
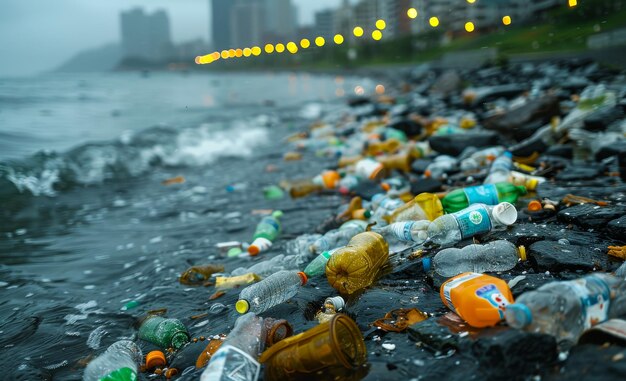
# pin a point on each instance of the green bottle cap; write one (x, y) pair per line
(277, 214)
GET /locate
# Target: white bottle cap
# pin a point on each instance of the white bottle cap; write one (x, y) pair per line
(504, 213)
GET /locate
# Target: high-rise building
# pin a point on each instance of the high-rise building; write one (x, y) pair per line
(221, 23)
(145, 36)
(325, 23)
(280, 20)
(246, 23)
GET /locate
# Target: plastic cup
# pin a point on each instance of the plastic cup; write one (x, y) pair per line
(335, 344)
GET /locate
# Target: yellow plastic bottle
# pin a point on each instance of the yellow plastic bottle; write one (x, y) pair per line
(478, 299)
(425, 206)
(357, 265)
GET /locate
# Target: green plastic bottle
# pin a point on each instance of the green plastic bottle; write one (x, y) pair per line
(318, 265)
(164, 332)
(489, 194)
(266, 232)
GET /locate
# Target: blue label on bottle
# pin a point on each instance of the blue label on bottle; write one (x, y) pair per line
(473, 220)
(493, 295)
(482, 194)
(272, 222)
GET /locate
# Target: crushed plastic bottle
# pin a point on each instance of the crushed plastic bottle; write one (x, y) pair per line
(494, 256)
(425, 206)
(407, 231)
(500, 169)
(117, 363)
(488, 194)
(236, 359)
(442, 165)
(226, 283)
(565, 309)
(338, 237)
(277, 263)
(166, 333)
(478, 299)
(197, 275)
(480, 158)
(271, 291)
(359, 264)
(266, 232)
(476, 219)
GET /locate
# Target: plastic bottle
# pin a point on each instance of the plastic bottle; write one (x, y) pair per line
(528, 181)
(117, 363)
(408, 231)
(237, 357)
(565, 309)
(478, 299)
(425, 206)
(401, 162)
(196, 275)
(266, 232)
(388, 146)
(489, 194)
(440, 166)
(383, 207)
(369, 169)
(271, 291)
(494, 256)
(500, 169)
(166, 333)
(318, 265)
(481, 158)
(358, 265)
(277, 263)
(301, 244)
(338, 237)
(476, 219)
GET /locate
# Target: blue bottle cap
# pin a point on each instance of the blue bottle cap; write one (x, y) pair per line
(426, 264)
(508, 154)
(518, 315)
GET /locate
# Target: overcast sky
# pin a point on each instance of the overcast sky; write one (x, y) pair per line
(36, 35)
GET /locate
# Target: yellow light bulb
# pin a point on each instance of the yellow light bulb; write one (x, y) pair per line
(412, 13)
(269, 48)
(381, 24)
(305, 43)
(377, 35)
(256, 50)
(224, 54)
(469, 26)
(357, 31)
(247, 52)
(506, 20)
(433, 21)
(280, 48)
(338, 39)
(319, 41)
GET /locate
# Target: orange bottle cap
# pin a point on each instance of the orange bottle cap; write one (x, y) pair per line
(303, 277)
(534, 206)
(427, 173)
(155, 359)
(253, 250)
(385, 187)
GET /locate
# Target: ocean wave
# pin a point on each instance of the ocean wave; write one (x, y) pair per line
(47, 173)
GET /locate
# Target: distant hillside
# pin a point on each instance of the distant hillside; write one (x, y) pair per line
(104, 58)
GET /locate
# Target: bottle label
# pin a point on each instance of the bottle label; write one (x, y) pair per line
(595, 303)
(232, 364)
(451, 285)
(272, 222)
(493, 295)
(482, 194)
(473, 220)
(122, 374)
(402, 230)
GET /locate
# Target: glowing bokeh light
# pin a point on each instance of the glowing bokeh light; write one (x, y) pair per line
(224, 54)
(381, 24)
(269, 48)
(232, 53)
(469, 26)
(358, 90)
(320, 41)
(471, 1)
(433, 21)
(377, 35)
(291, 46)
(238, 53)
(247, 52)
(412, 13)
(216, 56)
(280, 48)
(198, 60)
(256, 51)
(572, 3)
(357, 31)
(305, 43)
(338, 39)
(380, 89)
(506, 20)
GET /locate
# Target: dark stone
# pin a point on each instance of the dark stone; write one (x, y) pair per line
(537, 112)
(612, 149)
(561, 150)
(453, 145)
(617, 228)
(448, 82)
(366, 189)
(590, 216)
(426, 185)
(579, 172)
(419, 166)
(601, 119)
(517, 352)
(358, 101)
(434, 335)
(494, 92)
(605, 188)
(409, 127)
(528, 147)
(592, 363)
(553, 256)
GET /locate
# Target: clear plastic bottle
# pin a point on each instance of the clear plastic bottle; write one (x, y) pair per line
(318, 265)
(481, 158)
(271, 291)
(237, 357)
(384, 207)
(278, 263)
(117, 363)
(441, 166)
(338, 237)
(494, 256)
(565, 309)
(476, 219)
(500, 169)
(408, 231)
(300, 245)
